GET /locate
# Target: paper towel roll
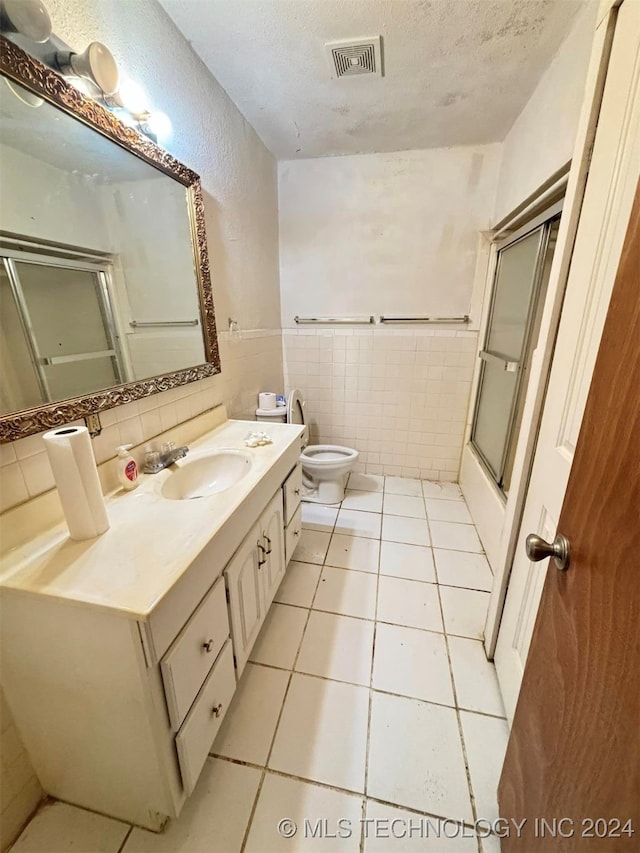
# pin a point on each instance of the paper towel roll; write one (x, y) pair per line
(76, 477)
(266, 400)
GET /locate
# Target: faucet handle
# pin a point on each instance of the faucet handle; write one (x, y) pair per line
(168, 446)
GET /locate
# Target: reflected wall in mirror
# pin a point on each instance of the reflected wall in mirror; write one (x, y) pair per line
(104, 280)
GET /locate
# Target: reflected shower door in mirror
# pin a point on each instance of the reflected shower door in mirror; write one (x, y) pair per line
(103, 272)
(57, 333)
(520, 283)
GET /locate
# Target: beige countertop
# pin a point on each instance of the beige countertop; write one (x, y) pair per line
(152, 540)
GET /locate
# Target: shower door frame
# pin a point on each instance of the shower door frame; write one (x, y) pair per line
(542, 221)
(100, 268)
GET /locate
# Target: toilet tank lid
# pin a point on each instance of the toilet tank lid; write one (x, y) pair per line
(278, 412)
(295, 407)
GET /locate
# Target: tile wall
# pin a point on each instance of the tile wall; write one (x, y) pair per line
(249, 364)
(399, 396)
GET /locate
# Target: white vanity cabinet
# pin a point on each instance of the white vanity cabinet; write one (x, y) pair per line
(292, 490)
(253, 576)
(119, 683)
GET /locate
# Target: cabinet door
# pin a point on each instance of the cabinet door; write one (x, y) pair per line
(246, 596)
(272, 535)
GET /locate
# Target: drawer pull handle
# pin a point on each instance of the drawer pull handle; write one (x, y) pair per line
(217, 710)
(208, 646)
(296, 491)
(261, 562)
(296, 533)
(268, 551)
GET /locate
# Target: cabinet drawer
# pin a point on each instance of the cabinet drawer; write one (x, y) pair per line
(292, 489)
(193, 652)
(198, 731)
(292, 534)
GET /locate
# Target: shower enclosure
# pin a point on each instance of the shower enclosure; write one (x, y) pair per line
(520, 282)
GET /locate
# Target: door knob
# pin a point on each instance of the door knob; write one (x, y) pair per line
(539, 549)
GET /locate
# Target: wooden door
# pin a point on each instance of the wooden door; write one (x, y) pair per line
(272, 532)
(574, 749)
(608, 198)
(246, 597)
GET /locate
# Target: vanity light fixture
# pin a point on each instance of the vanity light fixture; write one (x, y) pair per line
(94, 68)
(96, 64)
(27, 18)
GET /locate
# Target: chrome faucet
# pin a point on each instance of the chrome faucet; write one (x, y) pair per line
(157, 460)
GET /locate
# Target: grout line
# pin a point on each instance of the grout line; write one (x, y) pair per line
(398, 577)
(379, 689)
(348, 791)
(370, 708)
(465, 757)
(381, 621)
(125, 839)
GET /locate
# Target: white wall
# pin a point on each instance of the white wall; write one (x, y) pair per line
(43, 202)
(395, 234)
(240, 193)
(385, 233)
(541, 139)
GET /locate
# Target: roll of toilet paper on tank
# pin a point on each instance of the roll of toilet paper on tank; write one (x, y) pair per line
(76, 477)
(266, 400)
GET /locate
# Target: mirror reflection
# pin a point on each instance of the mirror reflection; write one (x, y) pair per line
(98, 280)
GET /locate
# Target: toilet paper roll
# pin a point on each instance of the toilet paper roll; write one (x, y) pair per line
(76, 477)
(266, 400)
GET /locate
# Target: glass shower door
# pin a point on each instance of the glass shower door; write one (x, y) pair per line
(518, 282)
(61, 322)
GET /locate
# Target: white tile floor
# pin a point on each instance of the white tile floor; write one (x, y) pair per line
(367, 699)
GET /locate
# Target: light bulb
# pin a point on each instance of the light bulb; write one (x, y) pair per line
(160, 125)
(132, 97)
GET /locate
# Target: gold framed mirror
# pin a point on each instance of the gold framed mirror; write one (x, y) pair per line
(96, 310)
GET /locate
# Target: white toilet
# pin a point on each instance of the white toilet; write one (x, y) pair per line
(325, 467)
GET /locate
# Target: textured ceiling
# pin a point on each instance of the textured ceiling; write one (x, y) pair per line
(457, 72)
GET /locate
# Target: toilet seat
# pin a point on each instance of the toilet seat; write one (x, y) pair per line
(326, 455)
(295, 408)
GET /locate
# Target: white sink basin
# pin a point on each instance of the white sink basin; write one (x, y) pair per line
(206, 475)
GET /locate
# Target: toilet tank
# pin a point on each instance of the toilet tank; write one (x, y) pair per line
(274, 416)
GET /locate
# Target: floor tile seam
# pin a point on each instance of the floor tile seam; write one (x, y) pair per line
(463, 746)
(370, 699)
(458, 586)
(322, 566)
(275, 730)
(295, 777)
(481, 553)
(463, 743)
(349, 569)
(380, 690)
(419, 812)
(283, 774)
(356, 509)
(124, 840)
(384, 621)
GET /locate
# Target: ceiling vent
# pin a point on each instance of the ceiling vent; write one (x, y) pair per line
(355, 57)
